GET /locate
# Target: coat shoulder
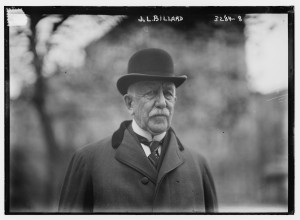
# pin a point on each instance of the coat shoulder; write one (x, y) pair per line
(191, 154)
(196, 156)
(90, 150)
(77, 192)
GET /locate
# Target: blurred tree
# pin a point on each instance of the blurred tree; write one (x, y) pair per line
(41, 41)
(38, 100)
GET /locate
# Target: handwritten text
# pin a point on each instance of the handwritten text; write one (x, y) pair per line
(157, 18)
(227, 18)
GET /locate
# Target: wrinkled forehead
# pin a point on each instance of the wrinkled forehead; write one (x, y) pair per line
(143, 85)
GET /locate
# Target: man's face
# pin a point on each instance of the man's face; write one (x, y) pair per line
(152, 104)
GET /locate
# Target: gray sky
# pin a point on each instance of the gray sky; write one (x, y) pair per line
(267, 53)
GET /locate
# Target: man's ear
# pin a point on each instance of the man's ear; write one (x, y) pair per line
(128, 99)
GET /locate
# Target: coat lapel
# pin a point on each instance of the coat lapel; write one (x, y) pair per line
(130, 153)
(172, 159)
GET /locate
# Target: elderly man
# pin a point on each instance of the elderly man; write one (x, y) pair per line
(143, 166)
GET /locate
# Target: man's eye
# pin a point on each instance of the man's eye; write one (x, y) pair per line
(149, 94)
(168, 95)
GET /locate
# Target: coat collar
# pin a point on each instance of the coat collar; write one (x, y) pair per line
(173, 157)
(130, 153)
(118, 135)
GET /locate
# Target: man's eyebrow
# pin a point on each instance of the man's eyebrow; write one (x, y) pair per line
(144, 89)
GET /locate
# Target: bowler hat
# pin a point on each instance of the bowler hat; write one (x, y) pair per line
(149, 65)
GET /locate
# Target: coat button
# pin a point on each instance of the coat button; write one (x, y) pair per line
(145, 180)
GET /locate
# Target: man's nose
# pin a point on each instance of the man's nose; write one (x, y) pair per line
(160, 100)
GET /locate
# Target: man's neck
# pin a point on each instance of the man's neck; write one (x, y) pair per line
(137, 129)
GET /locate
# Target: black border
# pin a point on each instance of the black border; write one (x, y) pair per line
(291, 113)
(7, 117)
(149, 10)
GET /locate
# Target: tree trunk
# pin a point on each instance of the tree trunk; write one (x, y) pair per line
(38, 99)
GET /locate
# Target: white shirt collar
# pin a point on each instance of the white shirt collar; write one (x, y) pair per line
(136, 128)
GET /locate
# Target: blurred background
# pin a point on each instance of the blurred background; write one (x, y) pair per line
(233, 108)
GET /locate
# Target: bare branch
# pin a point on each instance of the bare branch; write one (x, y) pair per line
(57, 24)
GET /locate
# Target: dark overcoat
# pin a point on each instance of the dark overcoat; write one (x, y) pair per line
(114, 175)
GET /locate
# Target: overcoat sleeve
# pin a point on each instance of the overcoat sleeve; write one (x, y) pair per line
(77, 190)
(211, 203)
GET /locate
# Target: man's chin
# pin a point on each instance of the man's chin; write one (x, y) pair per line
(158, 129)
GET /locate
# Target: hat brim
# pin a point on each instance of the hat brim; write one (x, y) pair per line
(126, 80)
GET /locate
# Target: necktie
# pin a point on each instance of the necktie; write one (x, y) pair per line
(153, 145)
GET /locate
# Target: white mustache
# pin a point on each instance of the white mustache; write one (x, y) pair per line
(158, 112)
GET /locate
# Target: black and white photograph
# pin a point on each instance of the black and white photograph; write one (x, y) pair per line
(149, 110)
